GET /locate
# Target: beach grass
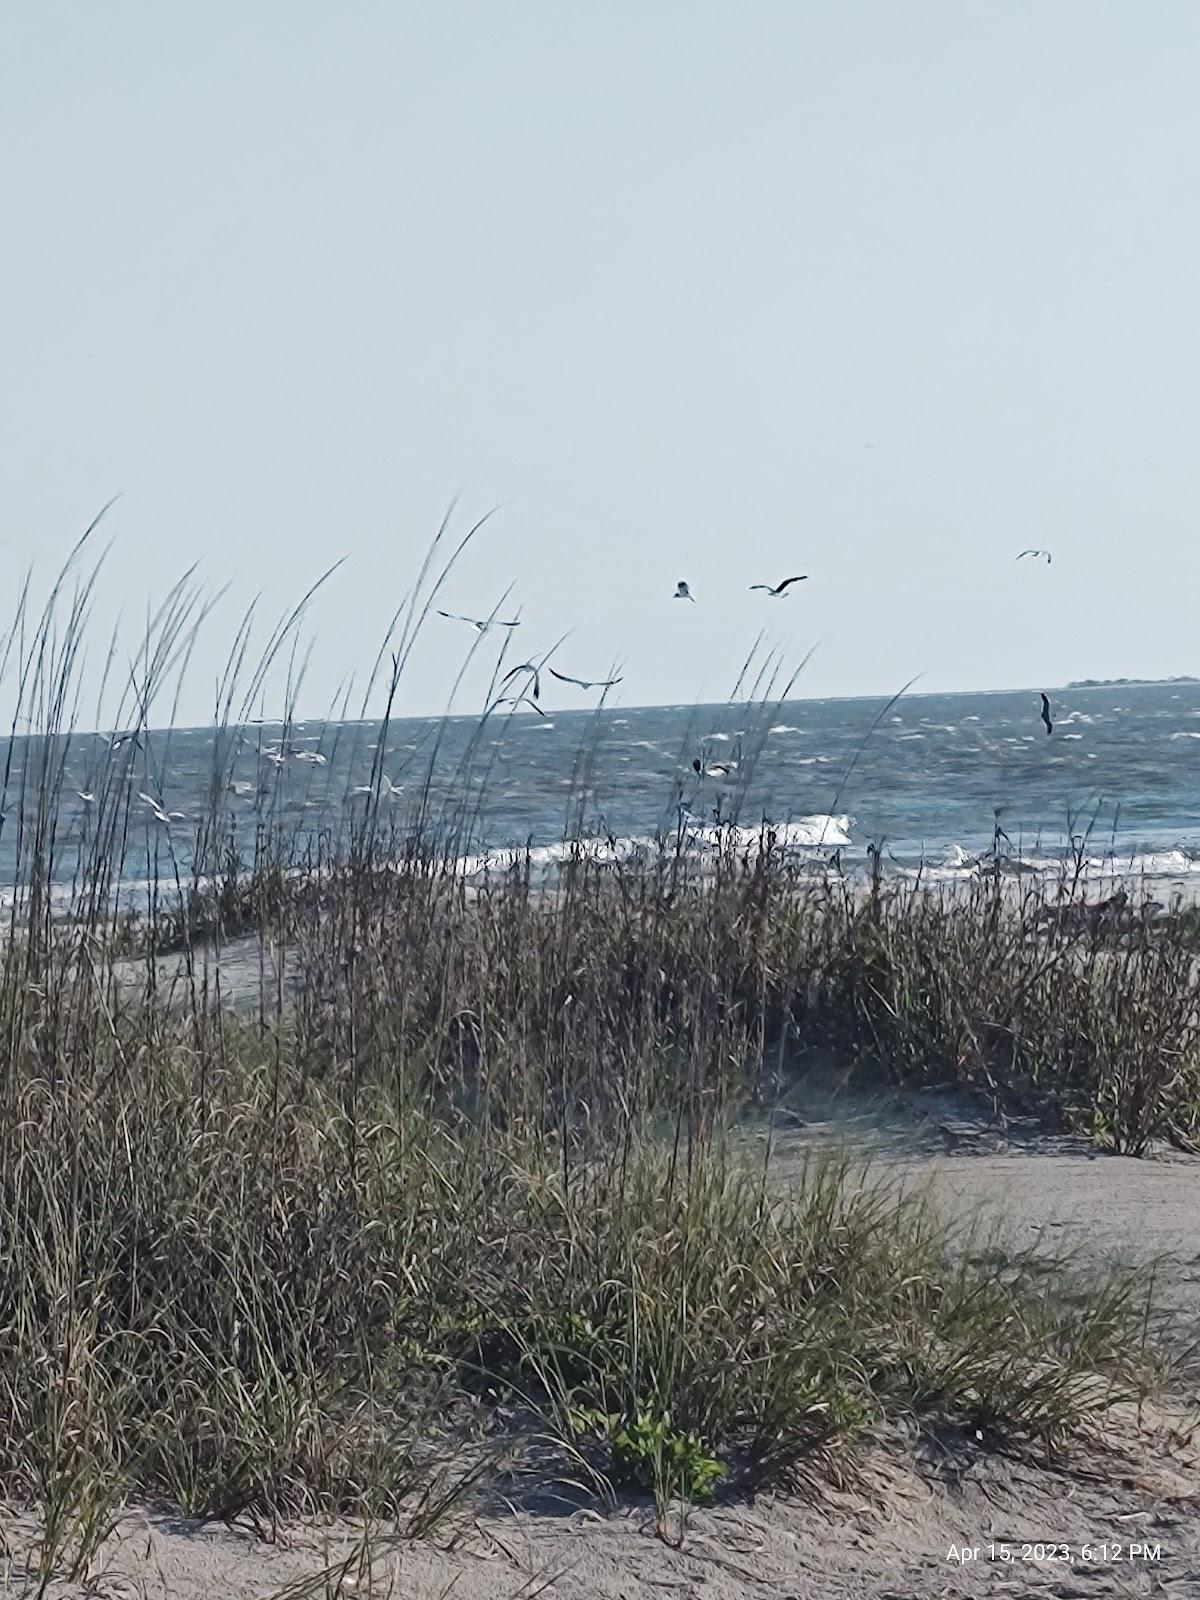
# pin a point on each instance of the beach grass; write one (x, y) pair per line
(461, 1198)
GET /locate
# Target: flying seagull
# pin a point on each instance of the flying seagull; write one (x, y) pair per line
(682, 592)
(584, 683)
(159, 815)
(780, 588)
(535, 676)
(1036, 554)
(1046, 716)
(719, 769)
(480, 626)
(520, 700)
(387, 789)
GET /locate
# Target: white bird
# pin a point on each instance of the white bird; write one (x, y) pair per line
(481, 626)
(1035, 554)
(780, 589)
(314, 756)
(88, 798)
(584, 683)
(682, 592)
(118, 739)
(165, 817)
(718, 769)
(387, 789)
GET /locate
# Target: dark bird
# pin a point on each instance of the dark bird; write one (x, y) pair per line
(584, 683)
(1036, 554)
(1046, 716)
(780, 588)
(520, 700)
(535, 676)
(682, 592)
(489, 622)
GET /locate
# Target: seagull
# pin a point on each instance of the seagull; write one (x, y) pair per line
(521, 700)
(584, 683)
(682, 592)
(481, 627)
(314, 756)
(719, 769)
(165, 817)
(387, 789)
(534, 672)
(88, 798)
(780, 589)
(1035, 554)
(1046, 716)
(118, 739)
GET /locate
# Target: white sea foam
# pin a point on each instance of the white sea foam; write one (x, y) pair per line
(805, 835)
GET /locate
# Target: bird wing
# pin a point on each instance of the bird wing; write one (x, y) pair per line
(760, 586)
(149, 799)
(1026, 553)
(564, 677)
(781, 587)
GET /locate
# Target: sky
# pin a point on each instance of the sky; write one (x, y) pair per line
(881, 293)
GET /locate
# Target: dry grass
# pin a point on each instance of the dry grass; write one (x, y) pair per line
(469, 1187)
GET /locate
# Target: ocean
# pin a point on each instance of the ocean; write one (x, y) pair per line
(926, 781)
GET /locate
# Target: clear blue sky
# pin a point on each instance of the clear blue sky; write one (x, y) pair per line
(879, 292)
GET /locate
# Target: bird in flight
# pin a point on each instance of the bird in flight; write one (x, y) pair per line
(480, 626)
(682, 592)
(780, 588)
(520, 700)
(387, 789)
(1046, 716)
(535, 676)
(584, 683)
(1036, 554)
(156, 810)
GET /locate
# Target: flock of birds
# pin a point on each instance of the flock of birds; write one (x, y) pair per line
(531, 693)
(526, 693)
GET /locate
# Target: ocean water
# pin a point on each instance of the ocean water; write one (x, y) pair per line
(926, 783)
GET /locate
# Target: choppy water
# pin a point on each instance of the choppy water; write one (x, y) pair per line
(928, 784)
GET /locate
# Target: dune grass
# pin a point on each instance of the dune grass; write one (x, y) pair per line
(459, 1199)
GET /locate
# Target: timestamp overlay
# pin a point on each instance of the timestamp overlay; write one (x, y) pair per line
(1045, 1552)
